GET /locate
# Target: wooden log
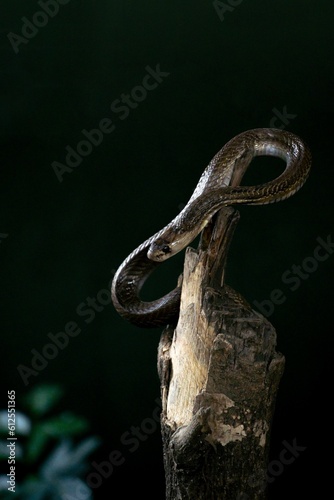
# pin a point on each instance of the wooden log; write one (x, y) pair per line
(219, 374)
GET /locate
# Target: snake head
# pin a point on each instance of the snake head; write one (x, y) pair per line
(160, 250)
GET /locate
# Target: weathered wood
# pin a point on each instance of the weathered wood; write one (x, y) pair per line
(219, 375)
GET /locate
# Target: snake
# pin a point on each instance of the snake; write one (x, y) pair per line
(219, 186)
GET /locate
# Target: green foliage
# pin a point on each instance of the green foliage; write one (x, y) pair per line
(47, 449)
(42, 399)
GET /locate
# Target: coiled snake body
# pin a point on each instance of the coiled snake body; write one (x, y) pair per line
(217, 187)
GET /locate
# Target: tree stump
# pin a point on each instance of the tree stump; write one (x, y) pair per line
(219, 374)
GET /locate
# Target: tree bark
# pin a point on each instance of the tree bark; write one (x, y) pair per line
(219, 374)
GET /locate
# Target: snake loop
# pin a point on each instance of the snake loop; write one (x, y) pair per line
(218, 186)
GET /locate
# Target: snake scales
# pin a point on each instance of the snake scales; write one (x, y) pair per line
(218, 186)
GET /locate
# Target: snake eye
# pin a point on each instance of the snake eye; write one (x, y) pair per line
(159, 250)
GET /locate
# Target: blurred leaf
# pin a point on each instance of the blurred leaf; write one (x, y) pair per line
(3, 483)
(43, 398)
(36, 443)
(66, 424)
(85, 448)
(59, 474)
(58, 427)
(59, 462)
(68, 487)
(32, 489)
(22, 423)
(66, 460)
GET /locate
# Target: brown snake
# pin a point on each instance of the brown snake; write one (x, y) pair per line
(217, 187)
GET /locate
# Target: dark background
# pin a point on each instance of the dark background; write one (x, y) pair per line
(61, 242)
